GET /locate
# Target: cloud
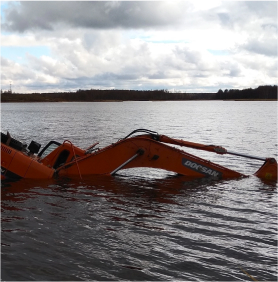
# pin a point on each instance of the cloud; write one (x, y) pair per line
(12, 72)
(267, 47)
(181, 45)
(92, 14)
(264, 41)
(262, 8)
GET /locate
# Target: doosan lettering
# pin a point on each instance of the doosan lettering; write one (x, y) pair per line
(201, 168)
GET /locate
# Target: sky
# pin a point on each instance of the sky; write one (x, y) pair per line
(180, 46)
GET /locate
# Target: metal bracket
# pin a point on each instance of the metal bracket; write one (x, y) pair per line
(138, 153)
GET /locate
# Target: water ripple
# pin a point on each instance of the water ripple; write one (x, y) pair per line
(142, 224)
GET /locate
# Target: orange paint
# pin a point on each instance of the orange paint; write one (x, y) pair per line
(148, 150)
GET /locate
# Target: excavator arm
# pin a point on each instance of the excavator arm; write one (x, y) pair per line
(209, 148)
(267, 171)
(152, 150)
(198, 146)
(146, 150)
(143, 151)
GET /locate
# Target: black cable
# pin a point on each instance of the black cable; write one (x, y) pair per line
(152, 133)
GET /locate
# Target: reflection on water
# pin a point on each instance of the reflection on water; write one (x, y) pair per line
(142, 224)
(137, 228)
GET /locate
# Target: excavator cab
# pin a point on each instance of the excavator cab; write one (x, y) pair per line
(51, 146)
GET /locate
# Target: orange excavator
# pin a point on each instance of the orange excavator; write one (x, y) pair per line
(145, 148)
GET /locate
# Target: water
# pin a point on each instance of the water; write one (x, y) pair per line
(143, 224)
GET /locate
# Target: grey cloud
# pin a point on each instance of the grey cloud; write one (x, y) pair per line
(4, 63)
(262, 8)
(103, 81)
(272, 71)
(271, 27)
(14, 72)
(268, 47)
(191, 57)
(91, 14)
(225, 19)
(239, 14)
(233, 70)
(109, 76)
(160, 74)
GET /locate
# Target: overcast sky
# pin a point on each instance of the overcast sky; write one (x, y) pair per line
(192, 46)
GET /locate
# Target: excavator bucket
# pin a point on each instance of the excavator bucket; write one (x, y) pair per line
(268, 171)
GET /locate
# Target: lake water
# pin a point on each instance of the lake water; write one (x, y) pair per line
(143, 224)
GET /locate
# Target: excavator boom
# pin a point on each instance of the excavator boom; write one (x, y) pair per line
(143, 151)
(151, 150)
(146, 150)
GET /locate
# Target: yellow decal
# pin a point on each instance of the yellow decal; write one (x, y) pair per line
(268, 175)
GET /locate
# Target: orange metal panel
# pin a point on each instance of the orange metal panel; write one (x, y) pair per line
(268, 170)
(156, 155)
(38, 171)
(22, 165)
(7, 155)
(19, 164)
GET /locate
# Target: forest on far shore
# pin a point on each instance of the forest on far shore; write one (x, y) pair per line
(266, 92)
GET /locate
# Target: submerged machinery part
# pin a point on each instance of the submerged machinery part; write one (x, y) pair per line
(10, 141)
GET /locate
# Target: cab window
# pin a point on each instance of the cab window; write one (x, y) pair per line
(50, 147)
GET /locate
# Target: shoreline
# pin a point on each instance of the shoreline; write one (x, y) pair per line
(262, 93)
(103, 101)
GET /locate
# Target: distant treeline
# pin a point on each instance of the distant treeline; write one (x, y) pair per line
(261, 93)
